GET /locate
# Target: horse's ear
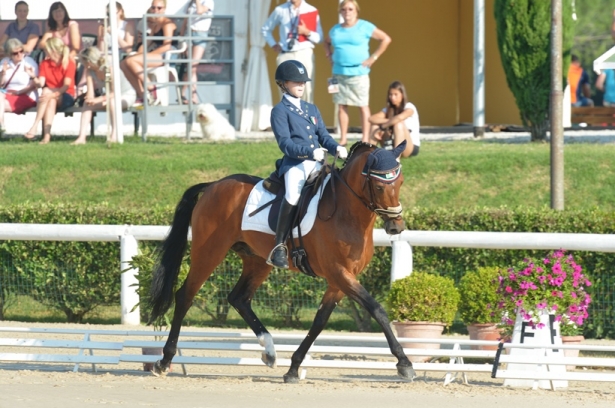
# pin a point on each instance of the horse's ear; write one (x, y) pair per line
(399, 149)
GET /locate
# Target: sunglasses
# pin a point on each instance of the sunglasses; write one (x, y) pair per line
(156, 8)
(17, 53)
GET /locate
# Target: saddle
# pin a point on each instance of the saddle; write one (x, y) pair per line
(275, 185)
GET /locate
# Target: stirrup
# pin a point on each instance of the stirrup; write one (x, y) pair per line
(270, 257)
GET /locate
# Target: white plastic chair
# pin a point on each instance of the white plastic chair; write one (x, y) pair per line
(165, 74)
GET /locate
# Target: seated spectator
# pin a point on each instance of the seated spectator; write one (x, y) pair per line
(125, 34)
(199, 26)
(17, 90)
(132, 66)
(606, 83)
(580, 90)
(59, 25)
(397, 122)
(97, 96)
(24, 30)
(57, 78)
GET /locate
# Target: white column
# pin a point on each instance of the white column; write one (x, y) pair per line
(401, 259)
(129, 296)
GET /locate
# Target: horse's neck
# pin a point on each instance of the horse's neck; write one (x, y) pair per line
(351, 205)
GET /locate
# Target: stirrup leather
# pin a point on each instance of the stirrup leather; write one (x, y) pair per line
(270, 261)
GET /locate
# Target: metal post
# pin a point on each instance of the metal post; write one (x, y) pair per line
(479, 68)
(129, 296)
(557, 130)
(401, 260)
(115, 63)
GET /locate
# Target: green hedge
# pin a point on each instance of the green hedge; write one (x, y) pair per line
(83, 275)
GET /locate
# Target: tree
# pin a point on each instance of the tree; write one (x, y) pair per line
(523, 31)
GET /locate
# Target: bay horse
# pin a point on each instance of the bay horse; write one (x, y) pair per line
(340, 245)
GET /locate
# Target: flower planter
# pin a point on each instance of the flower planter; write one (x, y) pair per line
(571, 340)
(484, 331)
(419, 330)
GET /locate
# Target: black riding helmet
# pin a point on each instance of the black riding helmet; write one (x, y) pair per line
(291, 70)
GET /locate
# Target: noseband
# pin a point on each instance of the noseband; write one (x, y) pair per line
(386, 177)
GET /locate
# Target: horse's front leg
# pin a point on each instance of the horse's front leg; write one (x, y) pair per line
(329, 302)
(359, 294)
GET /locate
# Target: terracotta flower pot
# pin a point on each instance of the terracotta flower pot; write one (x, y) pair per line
(484, 331)
(571, 340)
(419, 330)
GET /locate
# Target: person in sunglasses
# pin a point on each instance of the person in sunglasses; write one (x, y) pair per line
(132, 66)
(17, 90)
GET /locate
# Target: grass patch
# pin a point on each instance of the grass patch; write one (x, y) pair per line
(462, 174)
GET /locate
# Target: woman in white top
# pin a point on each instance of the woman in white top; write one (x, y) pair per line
(199, 26)
(125, 33)
(97, 96)
(17, 91)
(397, 122)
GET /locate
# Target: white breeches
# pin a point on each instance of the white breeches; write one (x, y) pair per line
(295, 178)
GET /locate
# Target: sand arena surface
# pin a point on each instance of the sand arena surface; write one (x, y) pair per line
(55, 385)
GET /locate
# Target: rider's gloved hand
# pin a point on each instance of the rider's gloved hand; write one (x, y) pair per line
(343, 153)
(319, 154)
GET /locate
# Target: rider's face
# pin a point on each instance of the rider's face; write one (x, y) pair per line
(296, 89)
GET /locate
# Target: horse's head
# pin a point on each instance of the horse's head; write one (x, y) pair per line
(381, 186)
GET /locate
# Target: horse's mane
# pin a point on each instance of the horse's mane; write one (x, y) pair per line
(356, 147)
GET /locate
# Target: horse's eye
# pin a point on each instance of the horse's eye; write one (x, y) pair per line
(379, 188)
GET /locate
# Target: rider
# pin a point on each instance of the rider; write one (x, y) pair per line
(300, 133)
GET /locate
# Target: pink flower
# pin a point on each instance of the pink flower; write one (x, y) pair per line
(508, 289)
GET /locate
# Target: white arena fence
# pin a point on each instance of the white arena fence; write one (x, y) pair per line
(329, 351)
(401, 262)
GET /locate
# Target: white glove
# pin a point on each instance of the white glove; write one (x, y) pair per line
(319, 154)
(343, 153)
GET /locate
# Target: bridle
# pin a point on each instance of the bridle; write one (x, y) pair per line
(387, 177)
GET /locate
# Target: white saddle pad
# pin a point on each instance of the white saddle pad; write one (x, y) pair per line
(260, 222)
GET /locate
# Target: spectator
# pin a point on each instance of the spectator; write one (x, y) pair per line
(132, 66)
(125, 33)
(347, 47)
(97, 95)
(606, 83)
(57, 78)
(17, 91)
(24, 30)
(199, 27)
(299, 30)
(397, 122)
(59, 25)
(580, 90)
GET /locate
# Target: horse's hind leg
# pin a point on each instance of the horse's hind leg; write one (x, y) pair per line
(202, 265)
(255, 271)
(329, 302)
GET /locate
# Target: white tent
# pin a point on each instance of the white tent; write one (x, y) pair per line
(256, 102)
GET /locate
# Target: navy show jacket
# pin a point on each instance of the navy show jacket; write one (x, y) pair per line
(299, 133)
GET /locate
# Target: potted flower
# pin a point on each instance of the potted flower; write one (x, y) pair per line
(571, 335)
(479, 296)
(554, 285)
(420, 306)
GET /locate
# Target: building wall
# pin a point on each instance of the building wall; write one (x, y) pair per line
(431, 53)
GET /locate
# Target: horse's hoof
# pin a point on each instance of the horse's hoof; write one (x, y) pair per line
(269, 355)
(291, 379)
(269, 360)
(158, 370)
(406, 372)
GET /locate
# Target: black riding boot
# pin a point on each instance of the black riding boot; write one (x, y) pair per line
(279, 255)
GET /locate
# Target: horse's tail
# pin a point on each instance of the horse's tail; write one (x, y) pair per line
(172, 252)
